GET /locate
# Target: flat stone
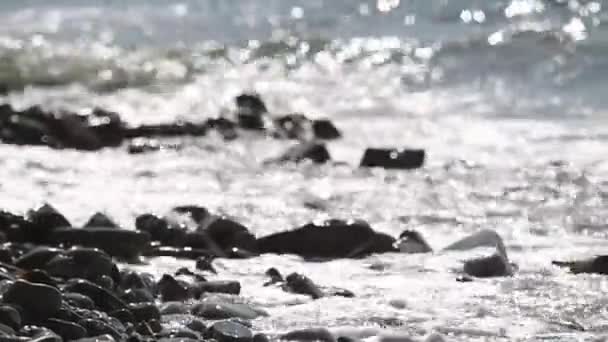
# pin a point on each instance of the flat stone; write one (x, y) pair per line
(393, 158)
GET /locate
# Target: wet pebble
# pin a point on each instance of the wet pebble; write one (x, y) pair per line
(144, 311)
(393, 158)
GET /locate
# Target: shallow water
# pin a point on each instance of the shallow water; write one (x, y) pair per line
(506, 96)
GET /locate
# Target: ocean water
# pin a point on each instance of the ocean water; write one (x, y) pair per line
(507, 97)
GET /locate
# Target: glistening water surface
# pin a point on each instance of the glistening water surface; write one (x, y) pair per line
(507, 98)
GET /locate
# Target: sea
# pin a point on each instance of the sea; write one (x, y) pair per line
(507, 98)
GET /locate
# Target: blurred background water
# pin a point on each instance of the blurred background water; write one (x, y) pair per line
(507, 97)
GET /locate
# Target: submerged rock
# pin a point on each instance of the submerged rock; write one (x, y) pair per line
(333, 239)
(393, 158)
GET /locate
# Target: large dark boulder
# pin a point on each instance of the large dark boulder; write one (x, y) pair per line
(38, 301)
(333, 239)
(393, 158)
(116, 242)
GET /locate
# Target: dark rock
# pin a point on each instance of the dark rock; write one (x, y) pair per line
(103, 299)
(314, 151)
(261, 338)
(155, 325)
(411, 241)
(298, 283)
(100, 220)
(393, 158)
(325, 129)
(115, 242)
(250, 111)
(37, 257)
(485, 267)
(228, 331)
(44, 220)
(597, 265)
(205, 264)
(37, 300)
(9, 316)
(333, 239)
(123, 315)
(107, 126)
(228, 234)
(67, 330)
(217, 286)
(275, 276)
(172, 290)
(137, 296)
(173, 308)
(144, 311)
(96, 327)
(78, 300)
(212, 309)
(156, 227)
(184, 271)
(38, 276)
(320, 334)
(79, 262)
